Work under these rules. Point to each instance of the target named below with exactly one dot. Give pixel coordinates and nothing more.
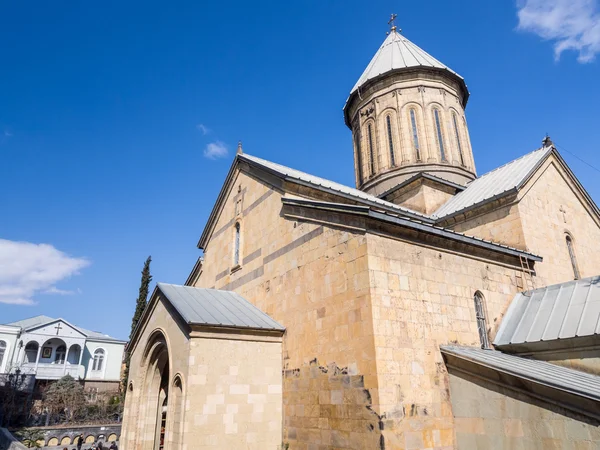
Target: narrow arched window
(415, 134)
(236, 251)
(371, 149)
(573, 258)
(438, 132)
(98, 360)
(481, 320)
(390, 140)
(2, 351)
(458, 143)
(357, 138)
(61, 353)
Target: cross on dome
(392, 23)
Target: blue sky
(109, 110)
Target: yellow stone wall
(234, 393)
(314, 280)
(134, 433)
(501, 224)
(541, 206)
(423, 298)
(488, 416)
(423, 197)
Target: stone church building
(429, 308)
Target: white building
(51, 348)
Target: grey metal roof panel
(397, 52)
(560, 311)
(504, 179)
(332, 185)
(551, 375)
(41, 319)
(216, 308)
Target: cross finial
(392, 22)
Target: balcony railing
(53, 371)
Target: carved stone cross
(58, 328)
(562, 210)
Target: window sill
(235, 268)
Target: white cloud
(27, 269)
(205, 130)
(570, 24)
(215, 150)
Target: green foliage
(30, 437)
(142, 299)
(140, 306)
(66, 396)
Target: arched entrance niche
(176, 413)
(156, 389)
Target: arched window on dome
(458, 143)
(415, 133)
(481, 320)
(571, 249)
(359, 159)
(371, 149)
(438, 133)
(388, 122)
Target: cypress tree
(140, 306)
(142, 299)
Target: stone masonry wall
(234, 396)
(549, 208)
(178, 343)
(313, 279)
(491, 417)
(422, 298)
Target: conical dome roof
(397, 52)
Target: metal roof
(213, 307)
(331, 185)
(561, 311)
(31, 322)
(496, 183)
(397, 52)
(551, 375)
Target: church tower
(407, 116)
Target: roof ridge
(507, 164)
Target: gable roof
(328, 185)
(425, 176)
(497, 183)
(550, 375)
(40, 320)
(397, 52)
(217, 308)
(559, 312)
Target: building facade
(52, 348)
(401, 298)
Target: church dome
(406, 113)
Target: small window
(458, 143)
(415, 134)
(98, 360)
(236, 250)
(390, 141)
(357, 138)
(31, 351)
(571, 249)
(61, 353)
(438, 130)
(371, 150)
(481, 320)
(2, 351)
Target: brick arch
(90, 439)
(52, 442)
(66, 440)
(113, 437)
